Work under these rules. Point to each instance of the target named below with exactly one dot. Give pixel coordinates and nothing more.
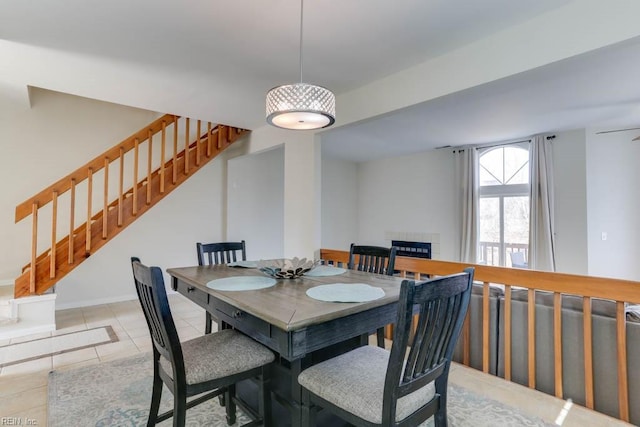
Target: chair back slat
(152, 295)
(372, 259)
(441, 304)
(220, 253)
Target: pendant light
(301, 106)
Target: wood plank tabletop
(286, 304)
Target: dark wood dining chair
(211, 363)
(373, 259)
(370, 386)
(219, 253)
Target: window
(504, 203)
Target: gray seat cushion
(354, 382)
(219, 355)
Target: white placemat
(241, 283)
(243, 264)
(325, 270)
(345, 292)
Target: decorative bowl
(286, 268)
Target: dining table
(300, 329)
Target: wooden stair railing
(150, 179)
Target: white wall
(256, 203)
(415, 197)
(613, 199)
(569, 155)
(339, 203)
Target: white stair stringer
(27, 315)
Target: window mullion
(501, 257)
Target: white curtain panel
(541, 228)
(469, 185)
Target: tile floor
(23, 386)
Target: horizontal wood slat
(590, 286)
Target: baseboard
(6, 282)
(97, 301)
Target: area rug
(58, 344)
(118, 393)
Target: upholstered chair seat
(355, 382)
(234, 353)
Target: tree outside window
(504, 203)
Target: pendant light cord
(301, 21)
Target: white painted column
(302, 196)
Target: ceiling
(221, 57)
(599, 89)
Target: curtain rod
(502, 144)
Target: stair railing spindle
(175, 153)
(136, 154)
(208, 139)
(72, 213)
(34, 247)
(149, 170)
(186, 148)
(198, 135)
(105, 199)
(54, 221)
(121, 187)
(89, 199)
(162, 156)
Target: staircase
(151, 163)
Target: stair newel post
(34, 247)
(121, 187)
(186, 148)
(208, 139)
(198, 135)
(175, 153)
(136, 154)
(149, 164)
(162, 155)
(72, 213)
(89, 209)
(54, 221)
(105, 199)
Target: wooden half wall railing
(586, 287)
(150, 163)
